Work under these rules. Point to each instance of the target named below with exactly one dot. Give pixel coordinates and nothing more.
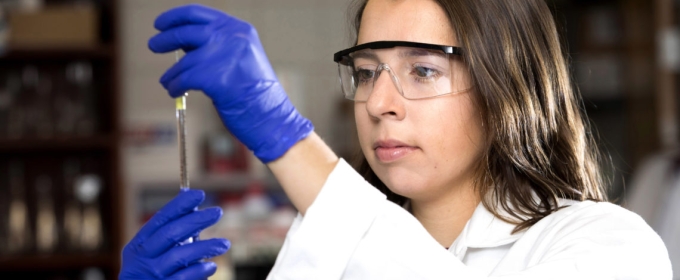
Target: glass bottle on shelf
(4, 208)
(5, 106)
(46, 220)
(19, 229)
(30, 80)
(8, 103)
(72, 222)
(37, 91)
(16, 115)
(43, 122)
(88, 189)
(79, 75)
(66, 108)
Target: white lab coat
(352, 232)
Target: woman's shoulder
(603, 237)
(572, 209)
(596, 214)
(569, 206)
(603, 225)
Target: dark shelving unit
(93, 146)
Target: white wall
(299, 37)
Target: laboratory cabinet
(60, 188)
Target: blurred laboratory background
(88, 137)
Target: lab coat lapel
(484, 230)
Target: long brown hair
(539, 148)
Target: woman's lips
(386, 154)
(392, 150)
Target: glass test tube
(180, 109)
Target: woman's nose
(385, 101)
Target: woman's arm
(303, 170)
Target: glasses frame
(341, 56)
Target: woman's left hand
(156, 251)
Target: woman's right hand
(157, 252)
(225, 59)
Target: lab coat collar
(484, 230)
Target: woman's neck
(446, 216)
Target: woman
(471, 135)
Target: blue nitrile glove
(155, 253)
(224, 59)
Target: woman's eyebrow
(366, 54)
(420, 52)
(405, 53)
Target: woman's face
(421, 149)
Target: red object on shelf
(255, 187)
(231, 198)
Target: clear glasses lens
(416, 73)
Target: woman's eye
(424, 72)
(364, 75)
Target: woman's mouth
(392, 150)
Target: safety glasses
(418, 70)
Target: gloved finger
(190, 74)
(179, 230)
(185, 37)
(185, 202)
(183, 256)
(200, 270)
(187, 14)
(188, 61)
(191, 79)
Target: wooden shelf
(58, 143)
(48, 262)
(58, 53)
